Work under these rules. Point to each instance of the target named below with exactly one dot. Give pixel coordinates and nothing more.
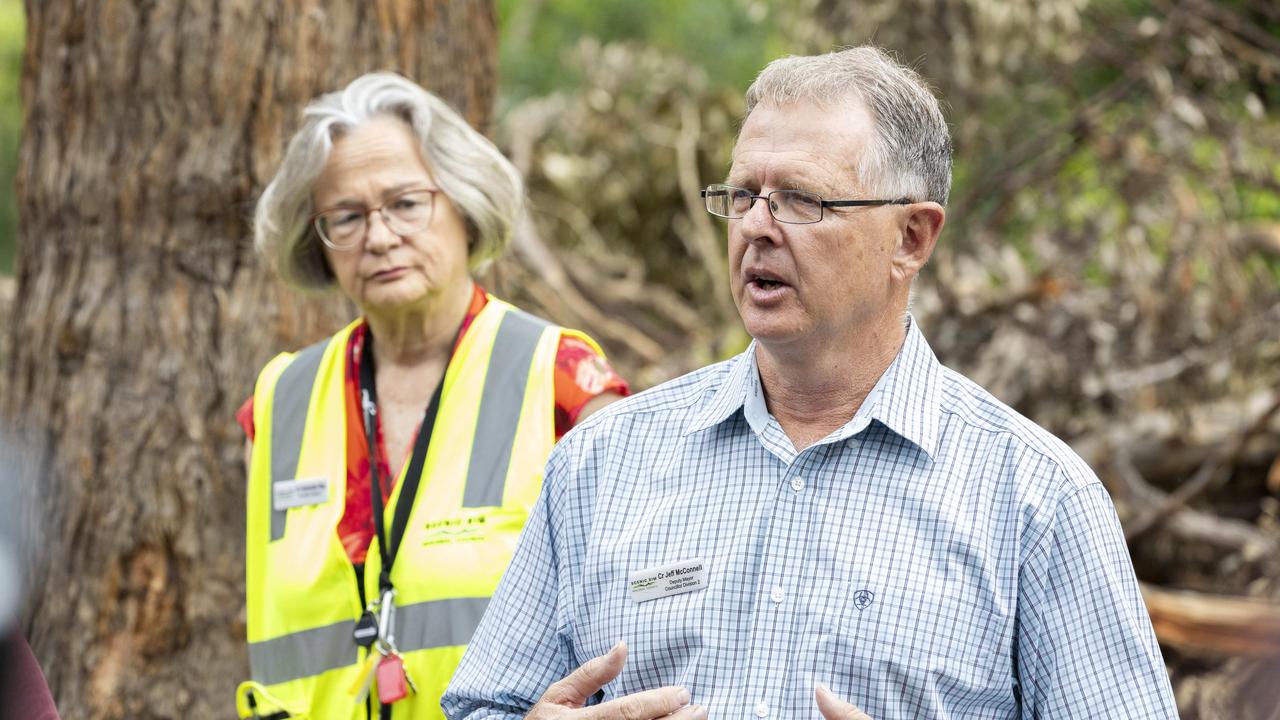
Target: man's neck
(813, 391)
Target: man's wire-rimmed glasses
(798, 207)
(342, 227)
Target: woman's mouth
(388, 274)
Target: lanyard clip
(387, 619)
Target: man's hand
(834, 708)
(565, 699)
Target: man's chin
(774, 331)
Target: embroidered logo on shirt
(862, 599)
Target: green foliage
(12, 35)
(729, 39)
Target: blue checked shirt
(939, 556)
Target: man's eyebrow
(784, 184)
(793, 184)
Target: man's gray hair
(482, 184)
(910, 154)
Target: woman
(368, 571)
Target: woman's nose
(378, 235)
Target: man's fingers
(688, 712)
(645, 705)
(833, 708)
(578, 686)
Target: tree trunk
(142, 314)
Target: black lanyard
(408, 493)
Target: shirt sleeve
(523, 643)
(1085, 646)
(581, 375)
(244, 416)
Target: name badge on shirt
(300, 492)
(659, 582)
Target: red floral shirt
(581, 374)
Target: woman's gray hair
(482, 184)
(910, 154)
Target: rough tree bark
(141, 314)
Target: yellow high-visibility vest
(483, 471)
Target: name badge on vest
(659, 582)
(299, 493)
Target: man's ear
(920, 229)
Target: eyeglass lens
(404, 214)
(791, 206)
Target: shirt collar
(730, 395)
(906, 398)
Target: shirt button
(762, 710)
(797, 483)
(776, 595)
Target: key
(413, 687)
(360, 687)
(392, 685)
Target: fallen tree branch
(1215, 623)
(1188, 523)
(1214, 470)
(1171, 445)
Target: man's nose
(758, 222)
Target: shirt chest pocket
(926, 636)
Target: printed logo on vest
(475, 526)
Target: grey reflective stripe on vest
(303, 654)
(289, 419)
(421, 626)
(438, 623)
(500, 405)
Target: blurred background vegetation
(1110, 265)
(12, 31)
(729, 40)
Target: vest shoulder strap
(290, 380)
(506, 382)
(289, 404)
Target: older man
(833, 508)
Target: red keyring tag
(391, 680)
